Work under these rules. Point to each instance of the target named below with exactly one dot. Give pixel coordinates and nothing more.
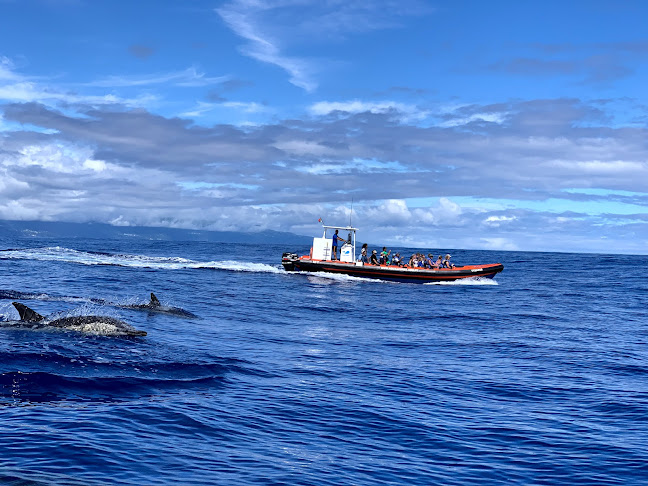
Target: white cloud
(412, 185)
(270, 27)
(477, 117)
(16, 88)
(26, 92)
(201, 109)
(501, 244)
(246, 107)
(96, 165)
(498, 220)
(190, 77)
(9, 185)
(7, 70)
(395, 212)
(405, 112)
(355, 165)
(305, 147)
(240, 17)
(603, 167)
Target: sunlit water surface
(538, 377)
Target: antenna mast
(351, 213)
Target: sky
(500, 125)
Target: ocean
(539, 377)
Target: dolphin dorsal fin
(27, 314)
(154, 300)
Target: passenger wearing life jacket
(363, 254)
(446, 262)
(384, 256)
(429, 263)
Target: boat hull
(391, 272)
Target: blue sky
(467, 124)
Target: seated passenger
(429, 262)
(374, 258)
(384, 256)
(363, 254)
(396, 259)
(439, 262)
(446, 262)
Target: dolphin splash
(102, 325)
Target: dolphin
(88, 324)
(155, 306)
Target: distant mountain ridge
(44, 229)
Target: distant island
(44, 229)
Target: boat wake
(467, 281)
(326, 277)
(68, 255)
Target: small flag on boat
(319, 220)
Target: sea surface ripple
(538, 377)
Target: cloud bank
(115, 164)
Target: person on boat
(396, 259)
(363, 254)
(374, 258)
(446, 262)
(439, 262)
(334, 246)
(384, 256)
(429, 261)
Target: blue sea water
(538, 377)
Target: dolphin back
(27, 314)
(99, 325)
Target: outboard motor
(288, 261)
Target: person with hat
(429, 261)
(363, 254)
(374, 258)
(446, 262)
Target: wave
(467, 281)
(68, 255)
(39, 387)
(324, 277)
(92, 380)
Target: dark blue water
(540, 377)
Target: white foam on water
(68, 255)
(237, 266)
(322, 277)
(341, 277)
(467, 281)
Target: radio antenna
(351, 213)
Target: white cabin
(322, 247)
